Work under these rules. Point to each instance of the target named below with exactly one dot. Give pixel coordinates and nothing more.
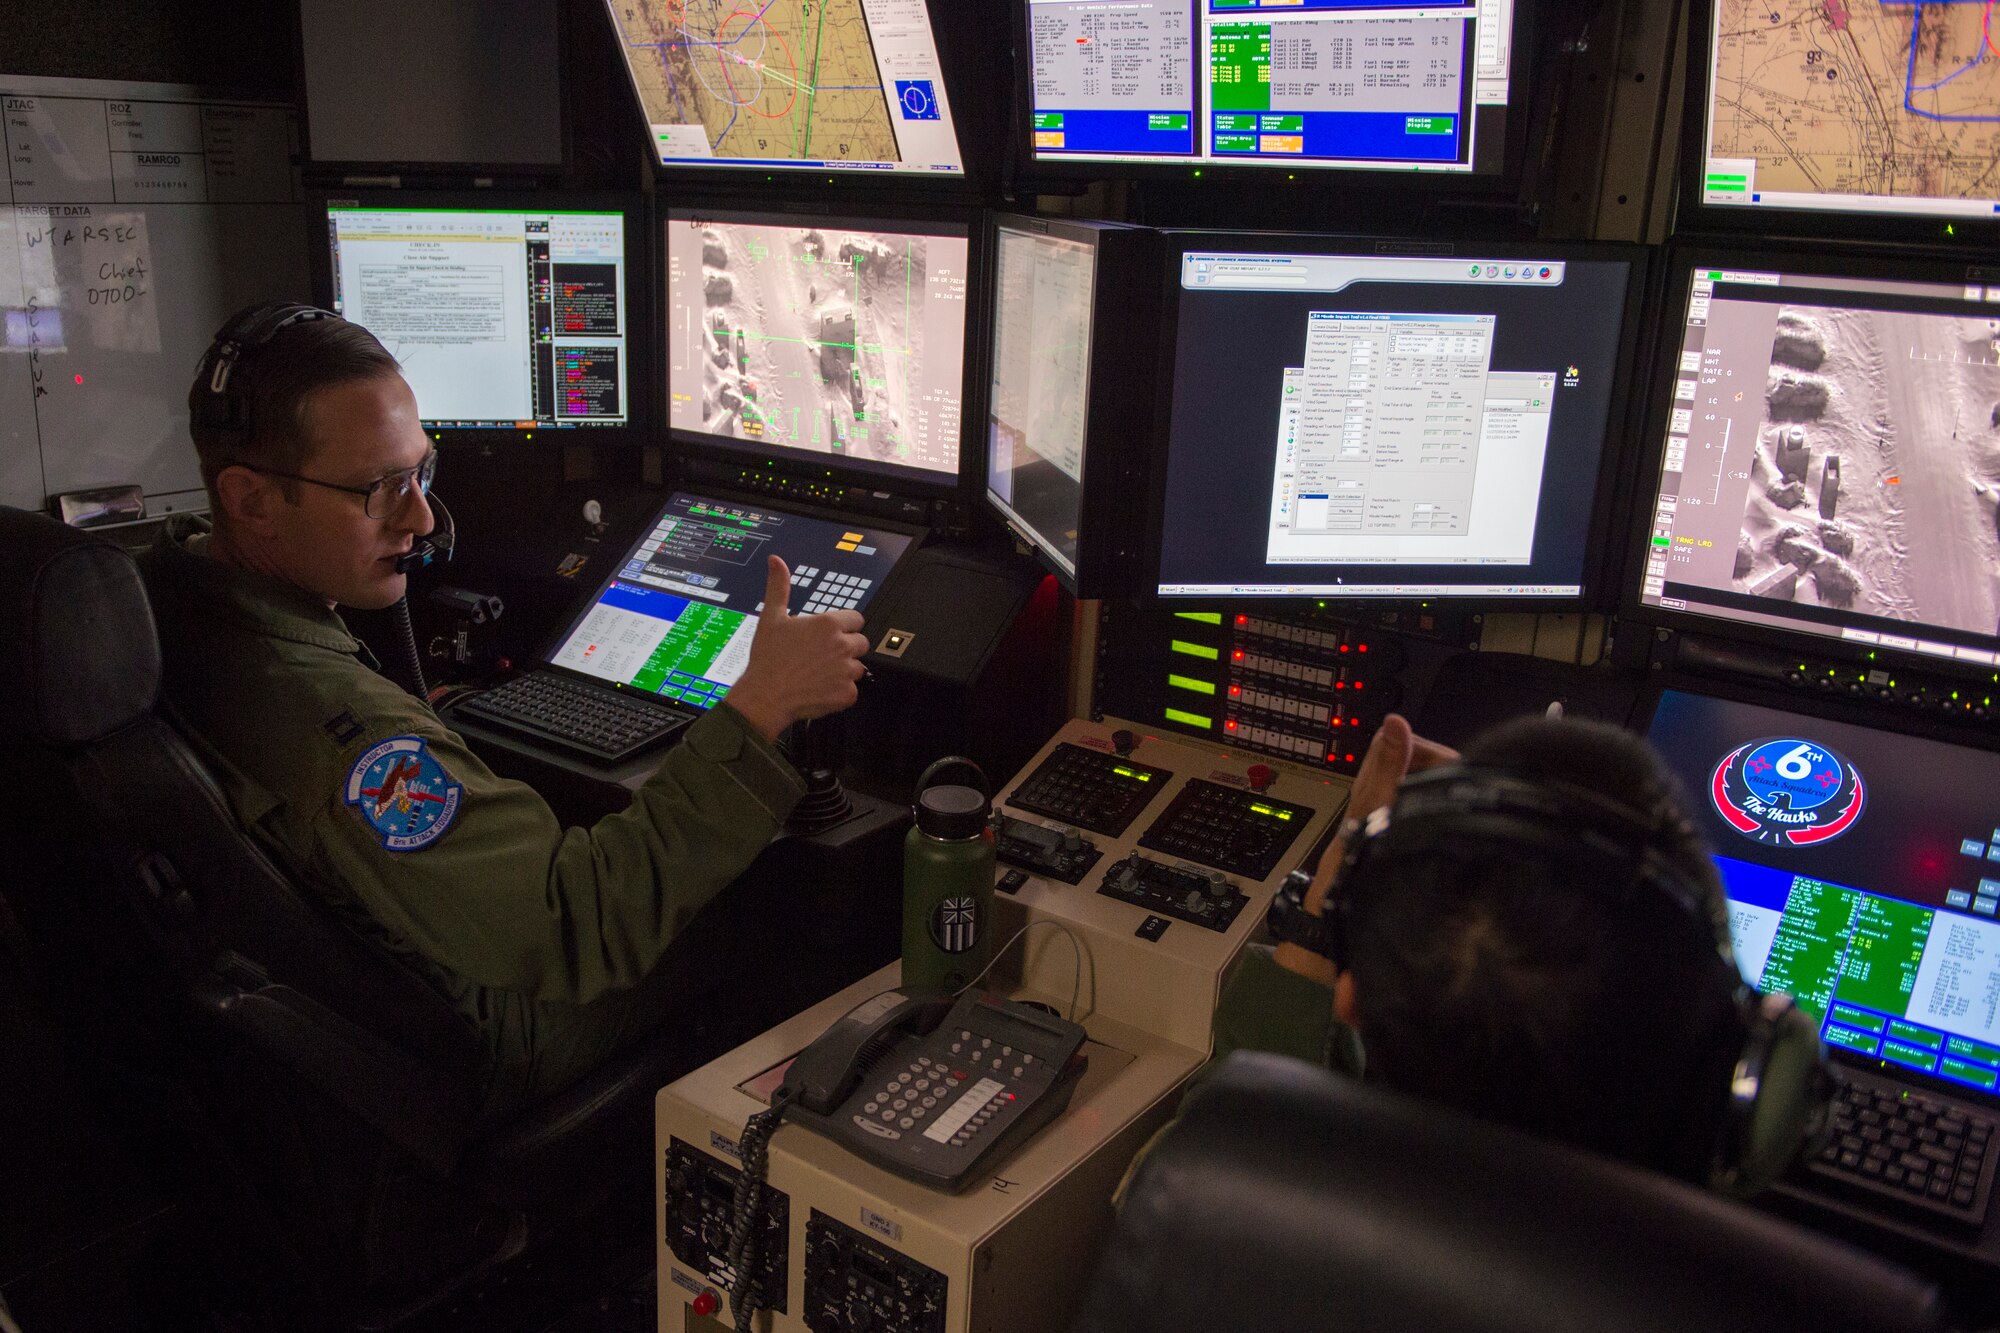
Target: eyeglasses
(380, 497)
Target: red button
(706, 1304)
(958, 1075)
(1261, 776)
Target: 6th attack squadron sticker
(404, 793)
(1787, 792)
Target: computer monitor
(511, 317)
(820, 339)
(1829, 456)
(1386, 85)
(676, 616)
(1346, 419)
(1070, 413)
(1862, 868)
(1876, 111)
(821, 85)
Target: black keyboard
(1920, 1150)
(1093, 790)
(572, 714)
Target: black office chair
(1288, 1197)
(307, 1062)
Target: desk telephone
(934, 1090)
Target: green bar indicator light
(1190, 683)
(1200, 650)
(1200, 617)
(1190, 719)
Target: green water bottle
(947, 882)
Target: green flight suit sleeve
(1268, 1007)
(507, 898)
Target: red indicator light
(1236, 656)
(1364, 647)
(1350, 759)
(1235, 691)
(1359, 683)
(1230, 725)
(1340, 684)
(79, 379)
(1330, 758)
(1242, 620)
(1343, 647)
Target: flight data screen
(841, 342)
(1862, 869)
(1041, 386)
(1347, 426)
(677, 617)
(1858, 107)
(1832, 461)
(500, 318)
(1284, 83)
(791, 84)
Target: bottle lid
(951, 813)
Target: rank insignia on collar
(404, 793)
(343, 727)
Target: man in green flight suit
(544, 937)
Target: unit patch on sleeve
(404, 793)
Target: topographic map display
(788, 80)
(1856, 97)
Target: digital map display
(1855, 104)
(797, 83)
(827, 339)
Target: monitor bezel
(869, 183)
(553, 644)
(1676, 269)
(893, 478)
(641, 313)
(1833, 708)
(1064, 174)
(1597, 592)
(1118, 427)
(1758, 223)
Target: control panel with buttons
(1184, 892)
(1058, 853)
(1243, 832)
(1089, 788)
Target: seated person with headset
(318, 473)
(1534, 933)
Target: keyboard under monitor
(574, 716)
(1903, 1145)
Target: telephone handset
(826, 1071)
(934, 1090)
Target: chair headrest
(1313, 1201)
(79, 654)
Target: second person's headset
(216, 404)
(1779, 1086)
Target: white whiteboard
(134, 219)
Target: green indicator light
(1190, 683)
(1122, 772)
(1263, 810)
(1663, 541)
(1200, 650)
(1190, 719)
(1202, 617)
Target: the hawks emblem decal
(1787, 791)
(404, 793)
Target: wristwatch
(1290, 923)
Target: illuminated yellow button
(846, 546)
(1048, 138)
(1281, 143)
(853, 536)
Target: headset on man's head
(216, 403)
(1779, 1087)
